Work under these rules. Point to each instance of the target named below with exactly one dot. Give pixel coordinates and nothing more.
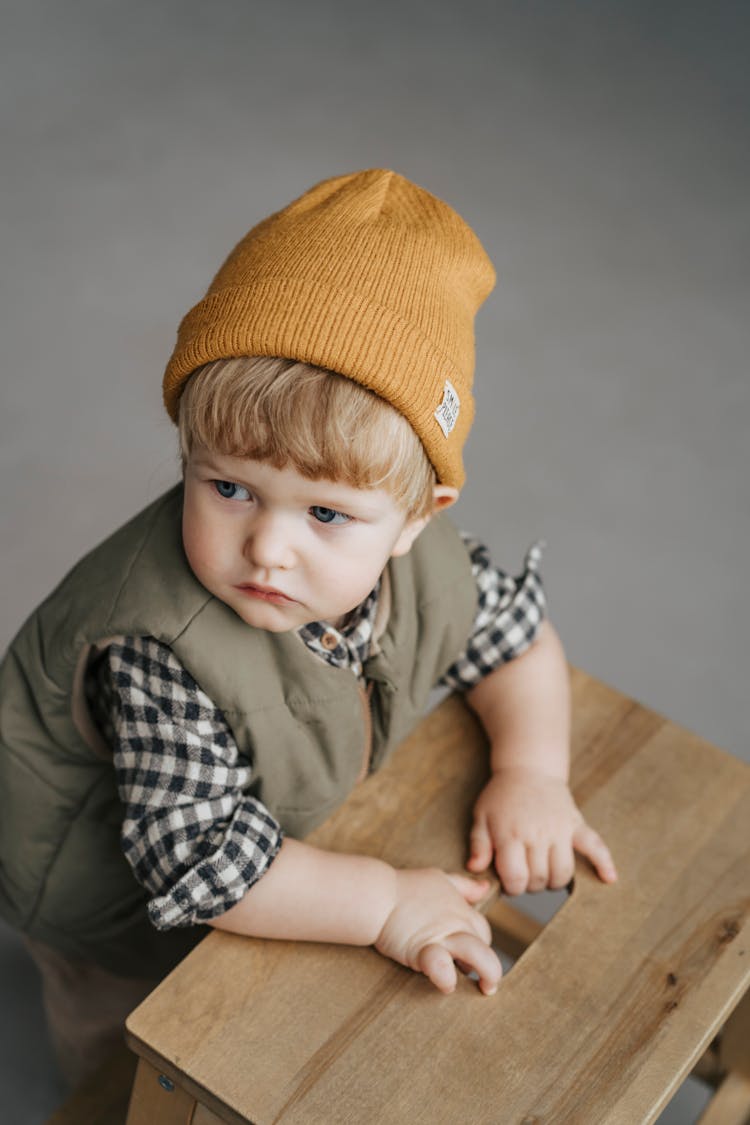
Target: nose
(268, 544)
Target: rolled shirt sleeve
(509, 615)
(194, 838)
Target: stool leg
(730, 1105)
(151, 1101)
(735, 1039)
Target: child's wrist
(381, 893)
(553, 767)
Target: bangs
(326, 426)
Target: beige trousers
(86, 1007)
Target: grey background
(600, 151)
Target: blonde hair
(325, 425)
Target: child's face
(283, 550)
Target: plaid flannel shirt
(195, 839)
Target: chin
(263, 617)
(264, 621)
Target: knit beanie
(368, 275)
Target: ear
(442, 497)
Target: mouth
(264, 593)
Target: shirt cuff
(243, 853)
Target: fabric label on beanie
(447, 412)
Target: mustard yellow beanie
(365, 274)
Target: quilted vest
(306, 726)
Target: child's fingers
(474, 954)
(588, 842)
(437, 959)
(437, 965)
(470, 889)
(537, 859)
(480, 846)
(561, 866)
(512, 867)
(473, 891)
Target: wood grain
(600, 1019)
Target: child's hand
(431, 925)
(531, 825)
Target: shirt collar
(350, 645)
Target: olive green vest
(63, 877)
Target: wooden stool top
(600, 1019)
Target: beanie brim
(343, 332)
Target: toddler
(209, 683)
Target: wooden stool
(609, 1008)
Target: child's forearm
(421, 918)
(524, 707)
(313, 895)
(525, 819)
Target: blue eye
(329, 515)
(231, 491)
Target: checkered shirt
(194, 837)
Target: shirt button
(329, 641)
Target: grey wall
(600, 150)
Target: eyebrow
(205, 462)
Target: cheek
(200, 544)
(192, 547)
(357, 571)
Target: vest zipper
(365, 695)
